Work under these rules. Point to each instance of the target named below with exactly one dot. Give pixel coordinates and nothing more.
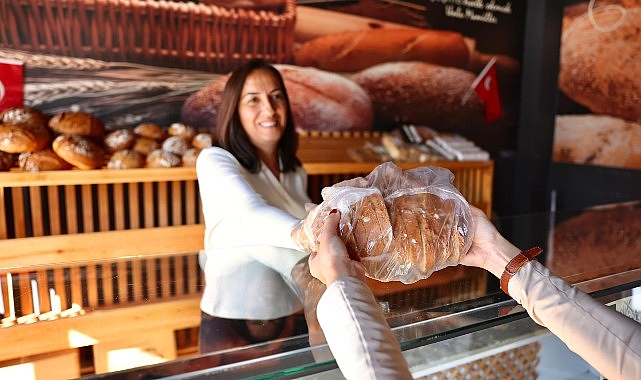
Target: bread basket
(186, 35)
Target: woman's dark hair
(232, 136)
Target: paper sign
(11, 83)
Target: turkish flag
(487, 88)
(11, 83)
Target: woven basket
(161, 33)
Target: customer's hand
(489, 250)
(332, 261)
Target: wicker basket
(161, 33)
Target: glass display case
(477, 336)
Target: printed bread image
(320, 101)
(599, 65)
(597, 140)
(598, 242)
(403, 226)
(423, 94)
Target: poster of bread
(348, 65)
(599, 118)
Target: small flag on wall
(11, 83)
(486, 87)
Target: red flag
(487, 88)
(11, 83)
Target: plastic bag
(402, 225)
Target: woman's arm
(608, 340)
(353, 323)
(232, 206)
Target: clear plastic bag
(402, 225)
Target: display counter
(476, 335)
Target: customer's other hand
(332, 261)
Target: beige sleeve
(603, 337)
(358, 334)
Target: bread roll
(21, 138)
(151, 131)
(144, 145)
(126, 159)
(120, 139)
(599, 62)
(190, 157)
(24, 115)
(183, 130)
(319, 100)
(422, 93)
(160, 158)
(77, 123)
(358, 50)
(79, 151)
(176, 145)
(597, 140)
(202, 140)
(42, 160)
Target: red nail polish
(334, 211)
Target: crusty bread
(597, 140)
(599, 64)
(126, 159)
(81, 152)
(367, 230)
(423, 94)
(151, 131)
(42, 160)
(21, 138)
(77, 123)
(356, 50)
(120, 139)
(320, 101)
(161, 158)
(24, 115)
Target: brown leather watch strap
(515, 264)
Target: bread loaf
(356, 50)
(42, 160)
(21, 138)
(126, 159)
(24, 115)
(120, 139)
(319, 100)
(79, 151)
(402, 226)
(597, 140)
(422, 93)
(77, 123)
(599, 62)
(7, 161)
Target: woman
(253, 191)
(365, 348)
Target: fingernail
(334, 211)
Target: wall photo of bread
(600, 77)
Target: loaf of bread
(597, 140)
(356, 50)
(126, 159)
(81, 152)
(119, 139)
(77, 123)
(319, 100)
(599, 62)
(42, 160)
(423, 94)
(21, 138)
(402, 226)
(7, 160)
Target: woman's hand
(332, 261)
(489, 250)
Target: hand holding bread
(402, 225)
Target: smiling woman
(253, 190)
